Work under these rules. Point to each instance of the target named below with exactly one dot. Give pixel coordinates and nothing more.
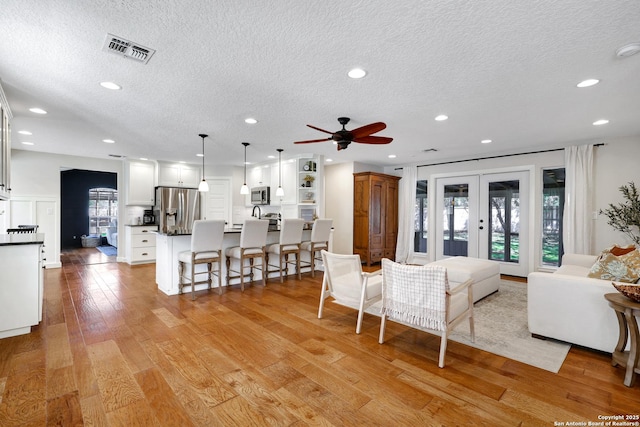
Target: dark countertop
(21, 239)
(226, 231)
(141, 225)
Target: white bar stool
(289, 244)
(320, 233)
(206, 248)
(253, 239)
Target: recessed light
(271, 157)
(600, 122)
(143, 158)
(200, 155)
(441, 118)
(110, 85)
(392, 156)
(24, 132)
(37, 110)
(588, 82)
(250, 120)
(628, 50)
(109, 141)
(328, 160)
(485, 141)
(357, 73)
(27, 143)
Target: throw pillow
(617, 250)
(611, 267)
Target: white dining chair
(288, 245)
(206, 248)
(253, 240)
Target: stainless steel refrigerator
(176, 208)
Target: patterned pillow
(617, 250)
(611, 267)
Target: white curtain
(406, 214)
(578, 204)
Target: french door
(484, 216)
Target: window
(552, 209)
(103, 209)
(421, 219)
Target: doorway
(485, 216)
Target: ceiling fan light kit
(344, 137)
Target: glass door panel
(457, 204)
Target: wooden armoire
(375, 216)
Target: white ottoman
(485, 274)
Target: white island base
(168, 247)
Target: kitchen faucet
(253, 213)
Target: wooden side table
(626, 312)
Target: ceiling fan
(345, 137)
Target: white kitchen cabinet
(179, 175)
(141, 241)
(289, 183)
(5, 147)
(21, 290)
(140, 181)
(259, 176)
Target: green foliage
(625, 217)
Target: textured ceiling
(504, 70)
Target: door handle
(481, 228)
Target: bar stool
(289, 244)
(206, 248)
(253, 239)
(319, 240)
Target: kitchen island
(21, 286)
(169, 245)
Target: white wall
(35, 192)
(338, 181)
(615, 164)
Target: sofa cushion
(611, 267)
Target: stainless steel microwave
(260, 196)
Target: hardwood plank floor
(113, 350)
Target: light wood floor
(114, 351)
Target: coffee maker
(149, 217)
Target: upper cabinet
(288, 182)
(140, 178)
(5, 147)
(178, 175)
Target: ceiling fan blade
(321, 130)
(373, 140)
(368, 130)
(312, 140)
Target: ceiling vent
(117, 156)
(428, 150)
(127, 48)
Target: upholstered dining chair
(345, 281)
(419, 296)
(253, 240)
(320, 232)
(289, 244)
(206, 248)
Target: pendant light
(280, 191)
(204, 186)
(244, 189)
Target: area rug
(108, 250)
(501, 328)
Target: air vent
(117, 156)
(429, 150)
(127, 48)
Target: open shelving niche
(310, 192)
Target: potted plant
(625, 217)
(308, 180)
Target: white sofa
(568, 305)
